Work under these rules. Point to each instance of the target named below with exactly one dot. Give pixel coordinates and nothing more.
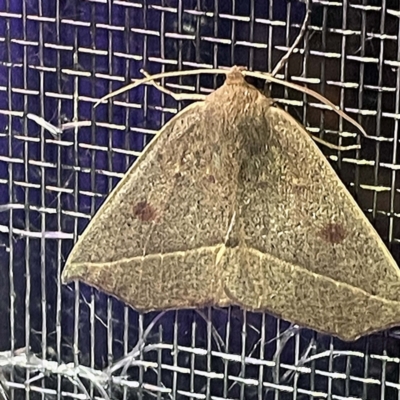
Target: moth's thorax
(237, 95)
(239, 111)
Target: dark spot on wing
(232, 242)
(178, 175)
(210, 178)
(144, 211)
(333, 233)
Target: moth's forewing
(153, 243)
(317, 260)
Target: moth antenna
(280, 64)
(138, 82)
(175, 96)
(334, 146)
(310, 92)
(299, 37)
(259, 75)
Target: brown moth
(232, 203)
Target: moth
(232, 203)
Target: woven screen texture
(57, 58)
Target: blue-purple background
(55, 61)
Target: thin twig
(300, 36)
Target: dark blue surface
(33, 162)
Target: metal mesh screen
(56, 60)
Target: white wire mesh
(56, 60)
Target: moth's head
(235, 76)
